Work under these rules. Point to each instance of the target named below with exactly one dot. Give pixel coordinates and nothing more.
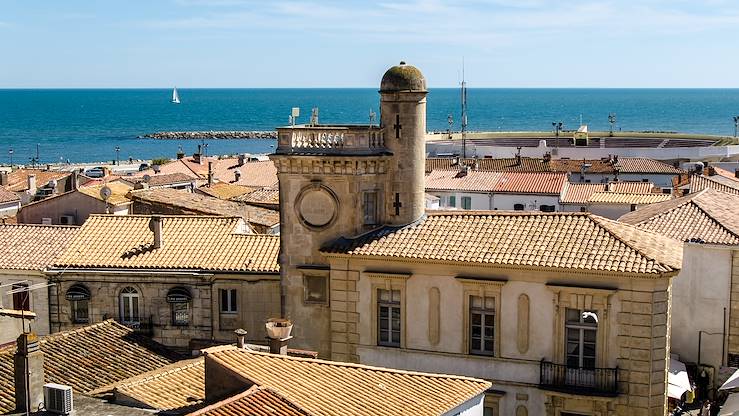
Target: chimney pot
(241, 160)
(4, 179)
(278, 334)
(240, 335)
(155, 225)
(237, 175)
(711, 171)
(32, 184)
(210, 174)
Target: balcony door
(130, 306)
(581, 328)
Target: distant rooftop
(33, 247)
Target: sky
(348, 43)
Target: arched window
(129, 306)
(79, 299)
(180, 298)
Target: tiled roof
(626, 198)
(531, 183)
(717, 182)
(645, 165)
(524, 164)
(266, 197)
(256, 401)
(185, 166)
(161, 179)
(257, 174)
(579, 192)
(223, 190)
(202, 204)
(175, 386)
(475, 181)
(33, 247)
(18, 179)
(189, 242)
(708, 216)
(624, 165)
(88, 358)
(8, 196)
(118, 196)
(336, 388)
(560, 240)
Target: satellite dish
(156, 168)
(147, 178)
(105, 193)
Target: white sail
(175, 96)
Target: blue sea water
(87, 125)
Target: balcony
(585, 381)
(143, 326)
(328, 139)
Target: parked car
(96, 172)
(143, 167)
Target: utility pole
(611, 121)
(464, 114)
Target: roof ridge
(175, 367)
(711, 217)
(687, 199)
(83, 329)
(177, 216)
(57, 226)
(600, 221)
(214, 354)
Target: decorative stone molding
(434, 315)
(316, 206)
(522, 334)
(332, 165)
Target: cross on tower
(397, 204)
(397, 126)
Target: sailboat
(175, 96)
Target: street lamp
(736, 124)
(117, 153)
(611, 121)
(557, 125)
(10, 153)
(450, 120)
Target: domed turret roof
(403, 78)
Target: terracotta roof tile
(717, 182)
(525, 164)
(708, 216)
(8, 196)
(185, 166)
(118, 188)
(579, 192)
(531, 182)
(176, 386)
(160, 179)
(88, 358)
(336, 388)
(256, 401)
(623, 164)
(18, 179)
(33, 247)
(645, 165)
(202, 204)
(263, 197)
(257, 174)
(560, 240)
(475, 181)
(190, 242)
(626, 198)
(223, 190)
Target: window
(453, 201)
(388, 317)
(228, 301)
(179, 298)
(466, 202)
(370, 208)
(22, 298)
(518, 207)
(482, 325)
(582, 209)
(79, 299)
(581, 327)
(130, 306)
(547, 208)
(633, 207)
(316, 289)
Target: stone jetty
(210, 135)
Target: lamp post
(117, 153)
(611, 121)
(557, 125)
(450, 120)
(10, 153)
(736, 125)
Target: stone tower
(341, 181)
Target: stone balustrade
(321, 139)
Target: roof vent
(58, 399)
(155, 225)
(278, 333)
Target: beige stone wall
(258, 299)
(39, 298)
(633, 328)
(734, 310)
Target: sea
(88, 125)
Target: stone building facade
(566, 313)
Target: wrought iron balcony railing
(586, 381)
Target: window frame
(129, 297)
(472, 286)
(23, 298)
(394, 281)
(327, 286)
(391, 305)
(519, 207)
(79, 297)
(484, 313)
(175, 308)
(468, 205)
(375, 220)
(452, 201)
(231, 306)
(581, 326)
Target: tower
(341, 181)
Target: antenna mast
(464, 114)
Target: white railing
(318, 139)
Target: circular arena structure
(586, 145)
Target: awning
(731, 406)
(78, 292)
(179, 294)
(732, 383)
(677, 380)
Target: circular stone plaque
(317, 207)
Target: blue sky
(312, 43)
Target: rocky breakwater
(210, 135)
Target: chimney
(28, 367)
(32, 184)
(711, 171)
(237, 175)
(75, 180)
(141, 185)
(155, 225)
(278, 334)
(210, 174)
(198, 156)
(240, 335)
(736, 173)
(241, 160)
(4, 179)
(609, 187)
(547, 157)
